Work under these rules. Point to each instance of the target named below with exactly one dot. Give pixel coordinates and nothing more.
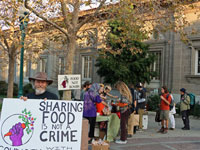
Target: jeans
(92, 121)
(185, 118)
(124, 124)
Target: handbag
(157, 117)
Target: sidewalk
(173, 140)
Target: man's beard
(39, 91)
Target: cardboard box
(100, 147)
(136, 120)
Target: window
(61, 65)
(197, 62)
(87, 67)
(43, 65)
(156, 65)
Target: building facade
(177, 63)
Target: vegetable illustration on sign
(16, 132)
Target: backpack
(192, 99)
(171, 105)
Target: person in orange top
(164, 109)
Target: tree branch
(64, 13)
(45, 19)
(89, 18)
(75, 14)
(3, 46)
(6, 43)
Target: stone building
(178, 63)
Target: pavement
(149, 139)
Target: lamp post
(23, 18)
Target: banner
(69, 82)
(40, 125)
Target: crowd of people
(132, 100)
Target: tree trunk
(10, 76)
(69, 64)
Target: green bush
(15, 90)
(28, 88)
(4, 87)
(178, 108)
(152, 103)
(196, 111)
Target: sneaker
(90, 141)
(129, 136)
(185, 128)
(171, 128)
(161, 130)
(165, 131)
(120, 142)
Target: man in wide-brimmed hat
(40, 82)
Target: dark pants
(92, 121)
(124, 124)
(185, 118)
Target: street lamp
(23, 18)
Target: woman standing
(91, 97)
(125, 112)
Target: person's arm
(104, 103)
(103, 97)
(186, 100)
(110, 95)
(165, 100)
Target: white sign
(41, 125)
(68, 82)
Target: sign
(40, 125)
(69, 82)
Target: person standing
(91, 97)
(141, 104)
(164, 109)
(172, 112)
(126, 98)
(185, 108)
(86, 87)
(131, 127)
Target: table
(113, 125)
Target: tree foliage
(10, 40)
(129, 60)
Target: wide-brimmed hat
(42, 76)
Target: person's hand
(24, 98)
(16, 134)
